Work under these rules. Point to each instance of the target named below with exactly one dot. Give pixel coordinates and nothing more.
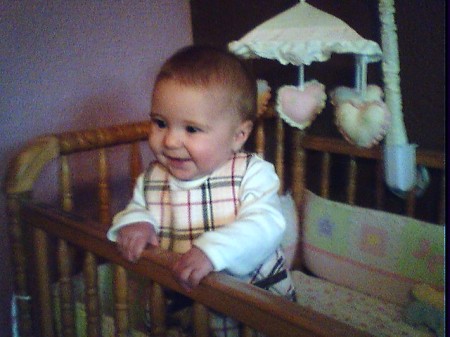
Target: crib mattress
(380, 318)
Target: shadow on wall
(112, 105)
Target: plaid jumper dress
(185, 214)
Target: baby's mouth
(176, 161)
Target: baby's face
(193, 130)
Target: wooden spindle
(103, 189)
(92, 300)
(279, 153)
(411, 203)
(298, 188)
(43, 282)
(22, 294)
(64, 255)
(65, 287)
(351, 181)
(298, 169)
(200, 319)
(120, 301)
(135, 163)
(157, 310)
(66, 185)
(260, 145)
(325, 176)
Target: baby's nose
(172, 139)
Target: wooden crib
(53, 243)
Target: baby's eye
(159, 123)
(192, 129)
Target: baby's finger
(182, 274)
(194, 278)
(154, 241)
(122, 244)
(137, 247)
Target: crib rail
(260, 310)
(57, 236)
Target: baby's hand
(191, 268)
(132, 239)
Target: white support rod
(361, 74)
(357, 74)
(301, 76)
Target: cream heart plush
(299, 107)
(344, 94)
(363, 120)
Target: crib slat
(91, 295)
(298, 168)
(66, 185)
(157, 310)
(298, 186)
(279, 153)
(65, 289)
(260, 145)
(120, 301)
(200, 319)
(64, 255)
(325, 175)
(22, 296)
(135, 163)
(411, 203)
(260, 138)
(103, 189)
(351, 181)
(43, 283)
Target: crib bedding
(367, 313)
(378, 253)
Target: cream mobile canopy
(302, 35)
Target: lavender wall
(69, 65)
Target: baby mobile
(302, 35)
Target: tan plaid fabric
(185, 214)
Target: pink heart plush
(299, 107)
(363, 119)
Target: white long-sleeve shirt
(239, 246)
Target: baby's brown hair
(210, 67)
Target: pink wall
(69, 65)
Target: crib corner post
(21, 294)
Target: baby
(204, 197)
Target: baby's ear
(242, 133)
